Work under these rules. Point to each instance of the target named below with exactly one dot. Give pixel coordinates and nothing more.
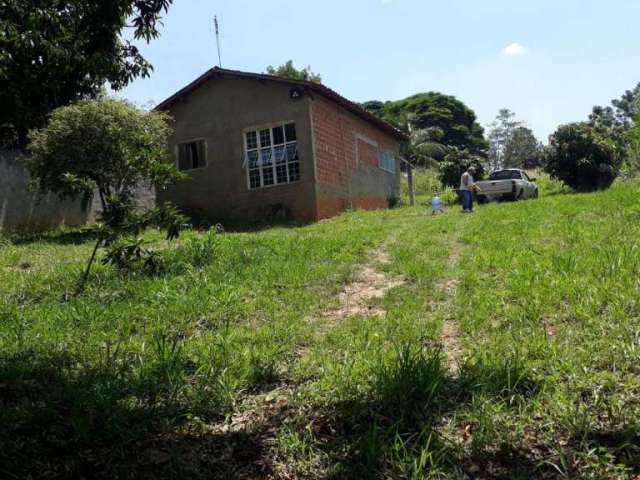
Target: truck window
(505, 175)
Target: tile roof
(307, 85)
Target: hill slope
(385, 344)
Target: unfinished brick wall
(346, 161)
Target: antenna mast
(215, 23)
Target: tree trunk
(412, 193)
(83, 279)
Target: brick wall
(346, 161)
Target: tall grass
(545, 301)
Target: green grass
(132, 378)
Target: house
(257, 145)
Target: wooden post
(412, 193)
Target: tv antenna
(217, 28)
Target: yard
(385, 344)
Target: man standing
(467, 186)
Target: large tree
(288, 70)
(456, 122)
(500, 135)
(54, 52)
(523, 150)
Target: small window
(192, 155)
(271, 156)
(387, 161)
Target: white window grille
(271, 156)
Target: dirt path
(260, 416)
(367, 284)
(449, 337)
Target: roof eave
(316, 87)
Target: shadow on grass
(124, 414)
(396, 430)
(73, 237)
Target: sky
(549, 61)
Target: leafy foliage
(112, 148)
(456, 122)
(288, 70)
(456, 163)
(633, 152)
(523, 150)
(55, 52)
(104, 145)
(424, 147)
(126, 256)
(584, 157)
(622, 112)
(500, 135)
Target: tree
(500, 135)
(110, 147)
(583, 157)
(456, 163)
(621, 114)
(433, 110)
(627, 107)
(54, 52)
(523, 150)
(424, 147)
(633, 153)
(289, 71)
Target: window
(192, 155)
(506, 175)
(271, 156)
(387, 161)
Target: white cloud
(514, 50)
(387, 2)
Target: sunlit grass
(546, 303)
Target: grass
(133, 378)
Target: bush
(456, 163)
(633, 154)
(584, 157)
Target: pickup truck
(508, 184)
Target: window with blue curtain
(387, 161)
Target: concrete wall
(220, 111)
(23, 211)
(346, 155)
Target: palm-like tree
(423, 147)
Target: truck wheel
(535, 193)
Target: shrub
(456, 163)
(108, 148)
(583, 156)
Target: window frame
(381, 165)
(274, 164)
(368, 141)
(185, 142)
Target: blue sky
(549, 61)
